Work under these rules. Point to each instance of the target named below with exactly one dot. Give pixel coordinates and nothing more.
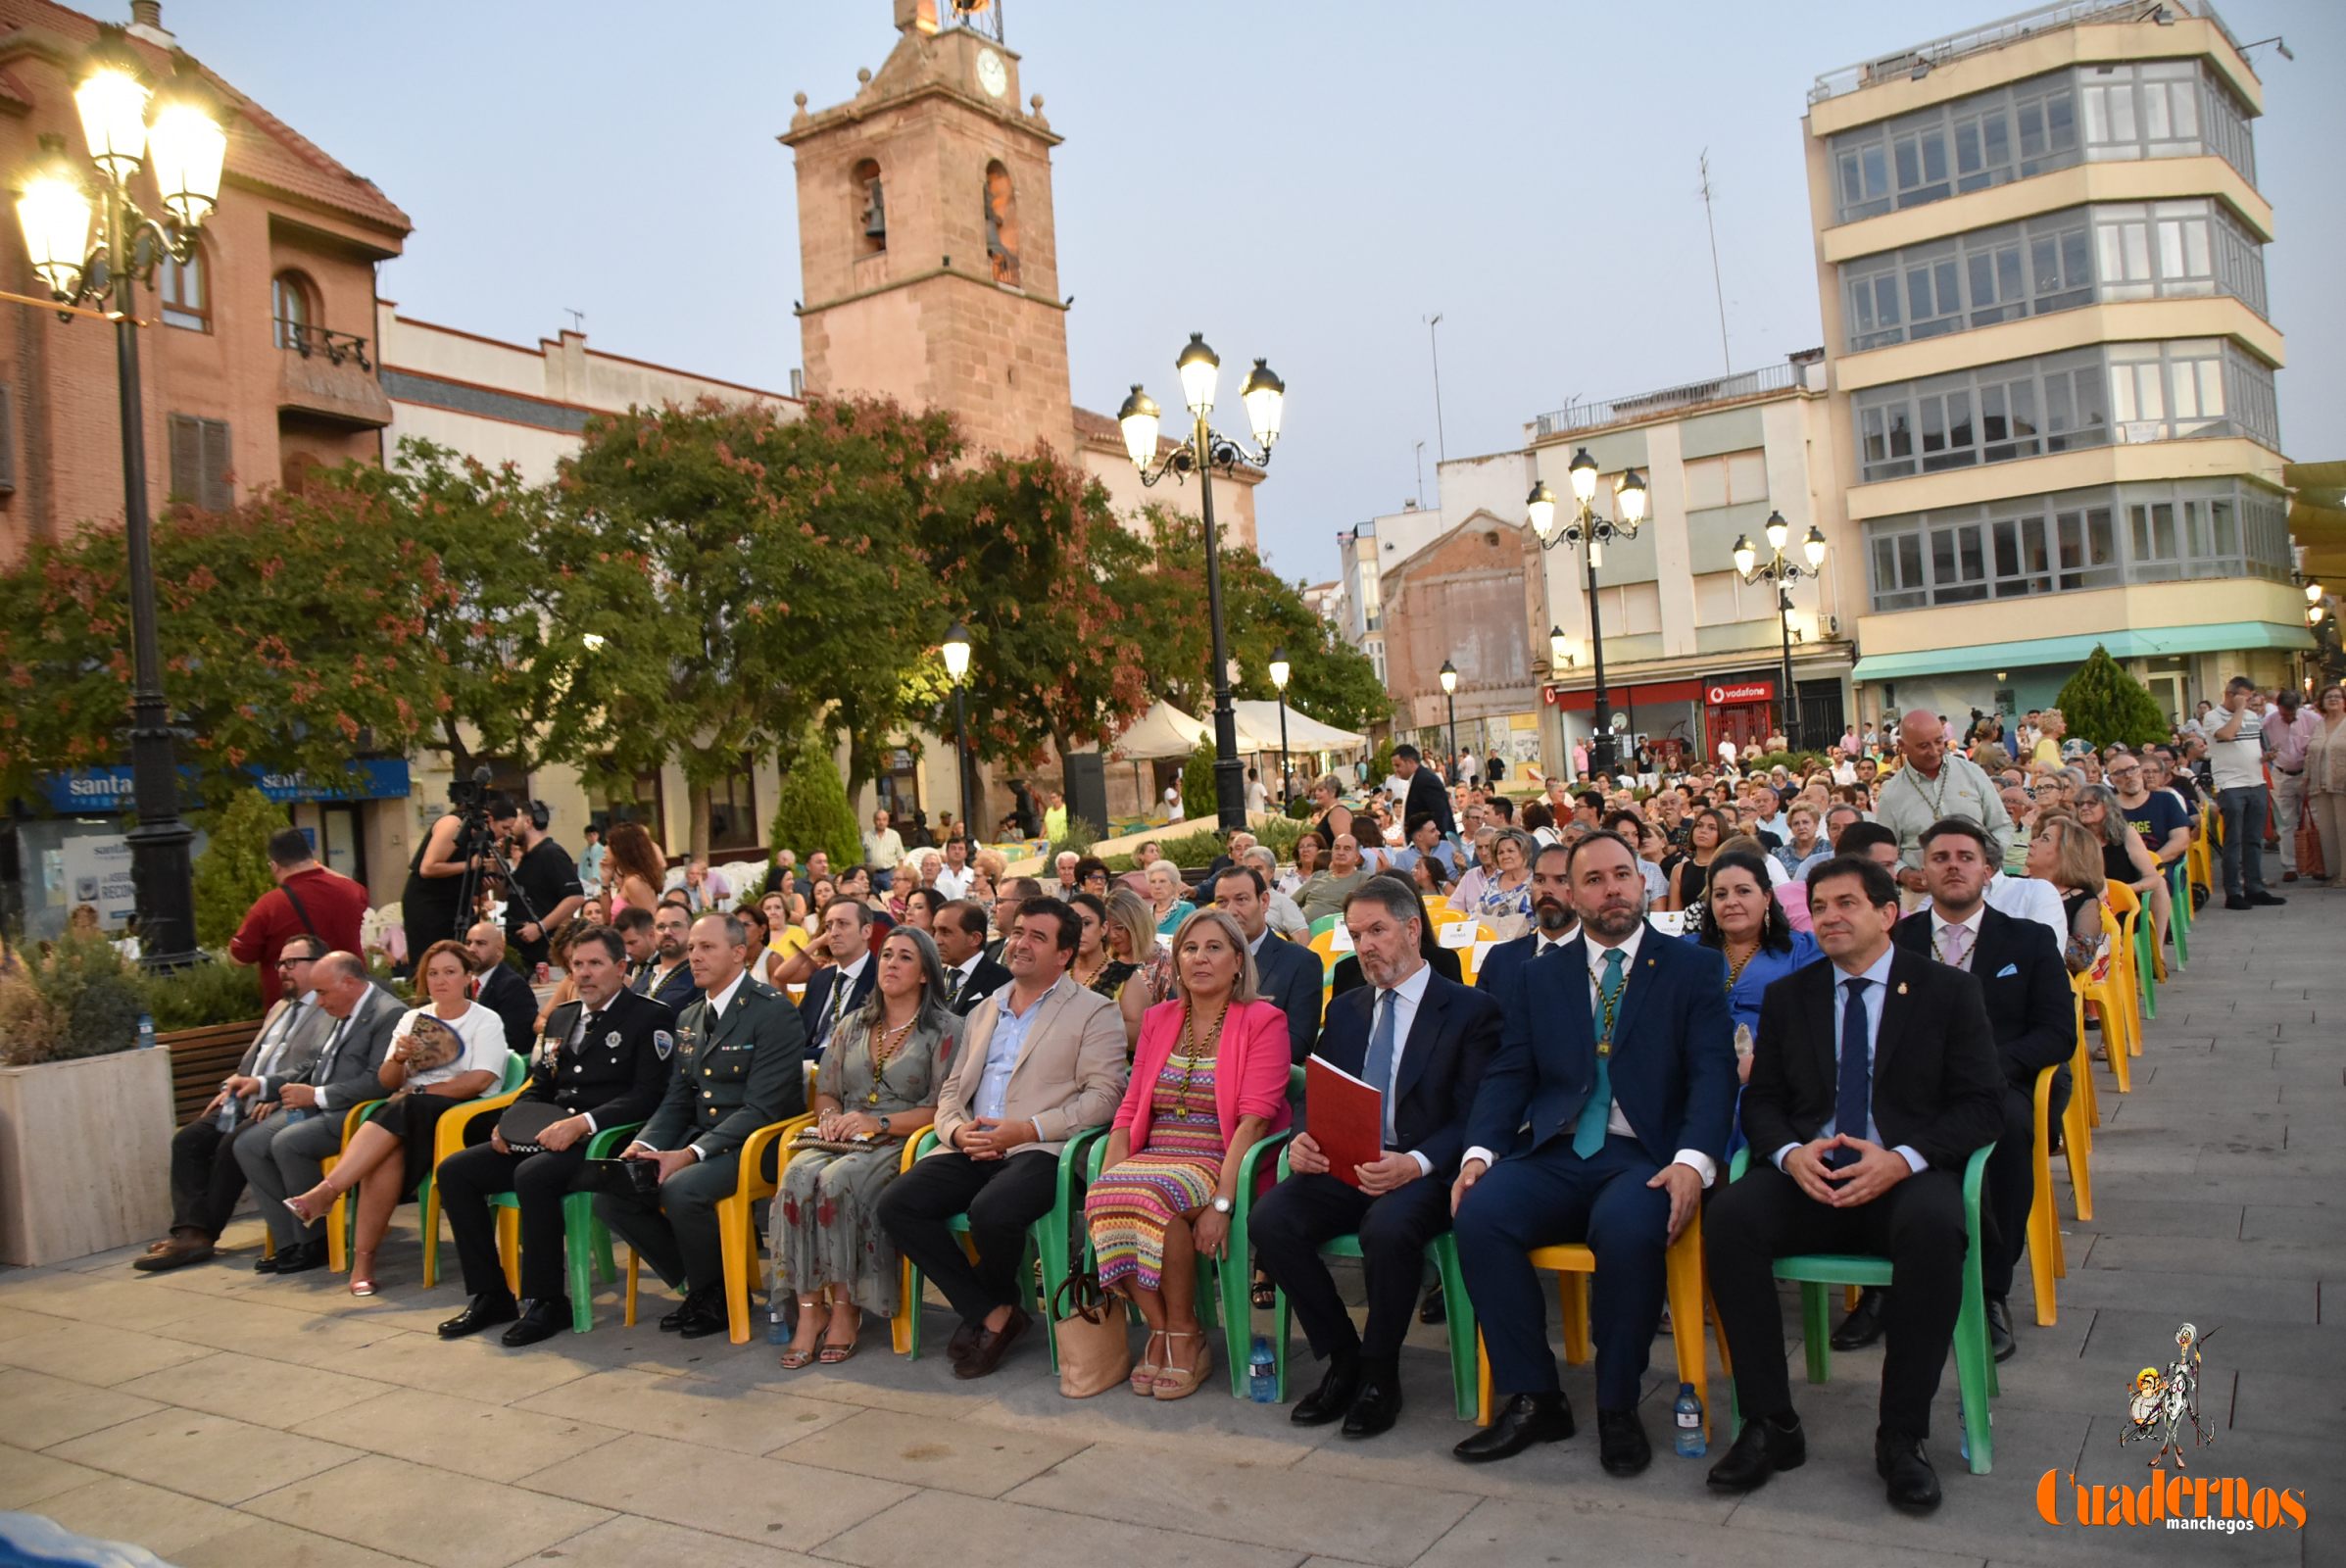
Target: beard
(1552, 915)
(1616, 920)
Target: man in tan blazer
(1044, 1059)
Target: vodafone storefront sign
(1750, 691)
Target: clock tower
(926, 244)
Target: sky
(1298, 180)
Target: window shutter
(187, 458)
(218, 493)
(8, 440)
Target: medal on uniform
(611, 1040)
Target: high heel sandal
(304, 1215)
(1172, 1382)
(362, 1273)
(1144, 1371)
(833, 1352)
(795, 1360)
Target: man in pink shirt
(2286, 733)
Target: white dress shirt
(1403, 1000)
(965, 968)
(1873, 1001)
(2028, 898)
(1970, 923)
(847, 976)
(954, 884)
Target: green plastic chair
(2178, 919)
(342, 1221)
(1459, 1310)
(1975, 1366)
(1046, 1241)
(587, 1254)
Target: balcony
(1918, 61)
(1595, 414)
(328, 376)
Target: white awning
(1163, 731)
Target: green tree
(1198, 797)
(2106, 705)
(811, 805)
(233, 869)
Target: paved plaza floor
(218, 1417)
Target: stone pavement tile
(430, 1515)
(2190, 1188)
(120, 1300)
(270, 1393)
(99, 1356)
(1416, 1454)
(25, 1478)
(769, 1501)
(1506, 1531)
(255, 1328)
(498, 1441)
(688, 1409)
(2285, 1404)
(1232, 1430)
(2146, 1337)
(14, 1323)
(2116, 1215)
(204, 1455)
(2302, 1168)
(2281, 1222)
(628, 1541)
(38, 1410)
(2277, 1261)
(877, 1380)
(991, 1529)
(265, 1542)
(2193, 1296)
(165, 1523)
(1264, 1508)
(477, 1369)
(959, 1455)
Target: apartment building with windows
(2041, 262)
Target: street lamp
(1205, 452)
(1449, 697)
(1782, 573)
(179, 134)
(1279, 671)
(1560, 655)
(956, 649)
(1586, 527)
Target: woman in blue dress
(1742, 920)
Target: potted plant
(85, 1118)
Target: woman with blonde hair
(1131, 936)
(2068, 854)
(1097, 967)
(633, 868)
(1208, 1080)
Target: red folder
(1346, 1116)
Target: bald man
(1325, 892)
(1937, 783)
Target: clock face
(993, 74)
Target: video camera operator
(547, 878)
(447, 867)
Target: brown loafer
(992, 1345)
(964, 1340)
(177, 1253)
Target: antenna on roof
(577, 319)
(1719, 289)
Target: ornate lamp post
(1279, 671)
(183, 143)
(1588, 528)
(1203, 454)
(1449, 699)
(956, 649)
(1781, 571)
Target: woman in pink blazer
(1208, 1079)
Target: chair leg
(1235, 1275)
(903, 1329)
(1579, 1347)
(509, 1248)
(1816, 1331)
(1682, 1274)
(1975, 1372)
(578, 1258)
(1465, 1333)
(1283, 1320)
(607, 1268)
(1482, 1396)
(2077, 1144)
(428, 1195)
(738, 1244)
(627, 1310)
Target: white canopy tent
(1258, 729)
(1163, 731)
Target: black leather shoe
(301, 1257)
(540, 1320)
(1332, 1401)
(2235, 902)
(266, 1263)
(959, 1348)
(673, 1322)
(1863, 1326)
(1760, 1450)
(1376, 1406)
(703, 1314)
(2267, 900)
(992, 1345)
(2001, 1342)
(1432, 1309)
(1620, 1444)
(481, 1312)
(1901, 1462)
(1524, 1420)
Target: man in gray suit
(1286, 974)
(286, 1152)
(206, 1180)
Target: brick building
(1465, 596)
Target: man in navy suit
(1287, 974)
(1426, 792)
(1553, 925)
(1425, 1042)
(845, 984)
(1619, 1055)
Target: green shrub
(1302, 808)
(234, 870)
(1078, 838)
(202, 993)
(78, 999)
(2108, 707)
(811, 807)
(1380, 764)
(1198, 783)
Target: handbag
(1094, 1348)
(2310, 864)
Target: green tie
(1589, 1135)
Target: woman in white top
(441, 1055)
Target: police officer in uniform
(739, 1056)
(604, 1059)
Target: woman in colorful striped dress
(1208, 1079)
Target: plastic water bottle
(146, 1031)
(1262, 1372)
(1686, 1416)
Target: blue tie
(1853, 1097)
(1589, 1137)
(1379, 1067)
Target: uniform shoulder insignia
(663, 1042)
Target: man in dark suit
(1873, 1079)
(605, 1060)
(1287, 974)
(970, 977)
(842, 986)
(740, 1051)
(503, 991)
(1553, 925)
(655, 945)
(1424, 1041)
(1425, 792)
(2026, 987)
(1619, 1055)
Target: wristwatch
(1222, 1206)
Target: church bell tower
(926, 245)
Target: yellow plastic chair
(2081, 1090)
(2120, 915)
(342, 1220)
(2103, 994)
(1468, 969)
(448, 1137)
(1684, 1290)
(737, 1227)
